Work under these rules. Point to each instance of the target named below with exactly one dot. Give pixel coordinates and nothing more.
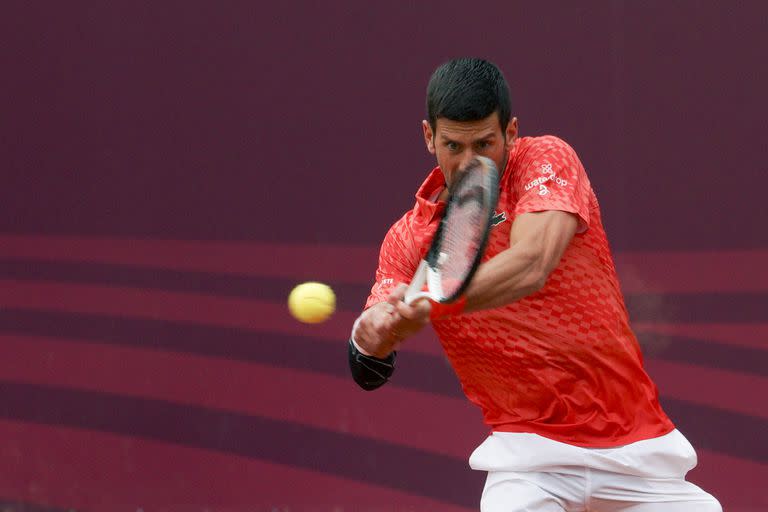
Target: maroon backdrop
(170, 170)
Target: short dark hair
(468, 89)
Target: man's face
(454, 143)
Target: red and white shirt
(563, 362)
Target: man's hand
(383, 326)
(411, 318)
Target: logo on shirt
(498, 218)
(548, 175)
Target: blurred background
(170, 170)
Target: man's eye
(483, 145)
(452, 146)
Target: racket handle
(418, 296)
(414, 290)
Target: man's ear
(429, 137)
(512, 130)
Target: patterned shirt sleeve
(397, 261)
(552, 177)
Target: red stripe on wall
(739, 484)
(163, 305)
(693, 272)
(267, 316)
(249, 314)
(641, 272)
(86, 470)
(70, 468)
(754, 335)
(183, 307)
(723, 389)
(453, 426)
(343, 264)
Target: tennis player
(541, 339)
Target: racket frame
(428, 270)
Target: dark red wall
(170, 170)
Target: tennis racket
(461, 236)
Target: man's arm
(537, 242)
(378, 331)
(376, 337)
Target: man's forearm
(537, 242)
(507, 277)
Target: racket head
(462, 235)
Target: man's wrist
(359, 348)
(355, 343)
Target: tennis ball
(312, 302)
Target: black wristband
(370, 372)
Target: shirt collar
(427, 208)
(426, 205)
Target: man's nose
(466, 158)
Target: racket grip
(414, 291)
(442, 309)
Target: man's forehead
(476, 129)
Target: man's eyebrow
(484, 137)
(446, 140)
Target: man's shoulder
(544, 150)
(544, 143)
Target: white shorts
(528, 472)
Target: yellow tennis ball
(312, 302)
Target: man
(541, 340)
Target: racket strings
(463, 230)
